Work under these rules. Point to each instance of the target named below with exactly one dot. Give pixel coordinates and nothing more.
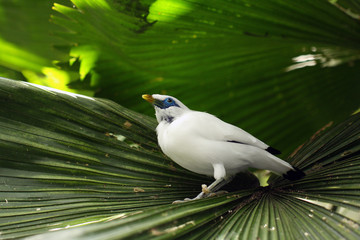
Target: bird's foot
(199, 196)
(205, 189)
(205, 193)
(208, 193)
(182, 201)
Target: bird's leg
(208, 191)
(214, 187)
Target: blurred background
(281, 70)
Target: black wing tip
(273, 151)
(293, 175)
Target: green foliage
(279, 69)
(92, 169)
(282, 69)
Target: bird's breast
(185, 148)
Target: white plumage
(202, 143)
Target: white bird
(204, 144)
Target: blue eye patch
(166, 103)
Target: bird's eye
(169, 100)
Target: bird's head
(167, 108)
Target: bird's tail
(279, 167)
(294, 174)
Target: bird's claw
(205, 189)
(182, 201)
(201, 196)
(205, 192)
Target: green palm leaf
(275, 65)
(68, 161)
(282, 68)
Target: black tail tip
(273, 151)
(293, 175)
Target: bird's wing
(211, 127)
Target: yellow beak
(148, 98)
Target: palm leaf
(92, 169)
(21, 49)
(275, 65)
(29, 48)
(93, 147)
(270, 63)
